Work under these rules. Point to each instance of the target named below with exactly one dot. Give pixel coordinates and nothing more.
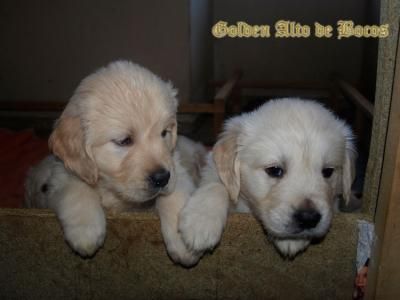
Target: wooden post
(384, 271)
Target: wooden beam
(279, 84)
(356, 97)
(384, 271)
(36, 106)
(225, 91)
(199, 108)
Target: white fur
(75, 203)
(300, 136)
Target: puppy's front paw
(86, 237)
(290, 248)
(181, 255)
(200, 230)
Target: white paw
(289, 248)
(201, 230)
(86, 237)
(181, 255)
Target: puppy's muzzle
(159, 178)
(307, 218)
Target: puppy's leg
(203, 218)
(289, 248)
(78, 208)
(168, 208)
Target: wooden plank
(217, 107)
(279, 84)
(33, 105)
(384, 273)
(227, 88)
(199, 108)
(218, 117)
(357, 98)
(389, 13)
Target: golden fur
(117, 133)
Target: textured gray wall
(289, 59)
(48, 46)
(201, 43)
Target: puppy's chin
(144, 195)
(299, 234)
(291, 231)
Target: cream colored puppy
(285, 162)
(115, 142)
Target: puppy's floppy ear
(226, 160)
(348, 168)
(174, 134)
(67, 142)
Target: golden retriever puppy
(285, 163)
(115, 144)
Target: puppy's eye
(275, 172)
(127, 141)
(327, 172)
(164, 133)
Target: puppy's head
(289, 160)
(119, 130)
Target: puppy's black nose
(307, 218)
(159, 178)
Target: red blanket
(18, 152)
